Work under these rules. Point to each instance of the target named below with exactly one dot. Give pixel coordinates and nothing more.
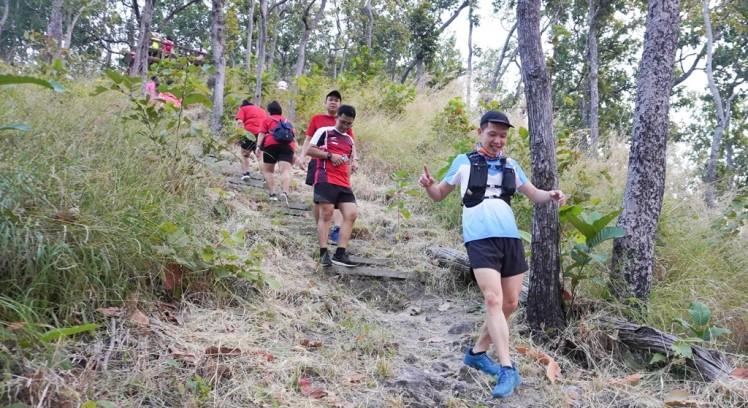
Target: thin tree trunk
(271, 51)
(261, 50)
(544, 309)
(469, 73)
(593, 77)
(633, 255)
(71, 25)
(217, 39)
(496, 76)
(711, 167)
(6, 7)
(305, 33)
(250, 29)
(369, 25)
(141, 56)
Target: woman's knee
(493, 299)
(510, 305)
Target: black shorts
(326, 193)
(311, 168)
(506, 255)
(278, 152)
(247, 144)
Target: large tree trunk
(594, 117)
(305, 33)
(250, 29)
(721, 113)
(54, 29)
(544, 309)
(633, 255)
(469, 73)
(217, 39)
(261, 50)
(6, 7)
(498, 72)
(140, 67)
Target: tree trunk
(6, 7)
(217, 39)
(369, 25)
(469, 73)
(261, 50)
(633, 255)
(306, 31)
(71, 26)
(498, 72)
(594, 117)
(722, 122)
(140, 67)
(544, 308)
(250, 29)
(54, 29)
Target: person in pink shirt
(249, 117)
(150, 88)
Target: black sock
(476, 354)
(322, 251)
(340, 251)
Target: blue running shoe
(508, 380)
(334, 236)
(481, 362)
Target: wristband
(329, 155)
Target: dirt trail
(427, 332)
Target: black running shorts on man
(506, 255)
(247, 144)
(326, 193)
(278, 152)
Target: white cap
(282, 85)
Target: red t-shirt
(320, 121)
(267, 126)
(336, 143)
(252, 117)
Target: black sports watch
(329, 155)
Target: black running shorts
(278, 152)
(246, 144)
(326, 193)
(506, 255)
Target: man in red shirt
(332, 102)
(250, 117)
(273, 151)
(335, 152)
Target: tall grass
(81, 196)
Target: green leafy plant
(397, 194)
(591, 230)
(9, 79)
(698, 329)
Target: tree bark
(140, 67)
(594, 116)
(261, 51)
(369, 25)
(633, 255)
(250, 29)
(217, 39)
(709, 363)
(498, 73)
(71, 26)
(54, 29)
(305, 33)
(544, 308)
(722, 117)
(6, 7)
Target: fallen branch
(708, 362)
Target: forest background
(82, 231)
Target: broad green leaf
(405, 213)
(564, 210)
(9, 79)
(606, 219)
(8, 213)
(99, 90)
(115, 76)
(600, 258)
(682, 349)
(67, 331)
(197, 98)
(656, 358)
(699, 313)
(523, 132)
(683, 323)
(586, 229)
(715, 332)
(605, 234)
(526, 236)
(89, 404)
(272, 283)
(16, 126)
(598, 280)
(238, 236)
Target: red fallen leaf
(566, 295)
(173, 275)
(223, 351)
(262, 353)
(310, 344)
(740, 373)
(355, 378)
(632, 379)
(110, 311)
(182, 354)
(553, 371)
(139, 318)
(308, 390)
(15, 326)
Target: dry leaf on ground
(110, 311)
(310, 344)
(15, 326)
(262, 353)
(355, 378)
(445, 307)
(682, 398)
(139, 318)
(223, 351)
(633, 379)
(309, 391)
(176, 353)
(552, 370)
(740, 373)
